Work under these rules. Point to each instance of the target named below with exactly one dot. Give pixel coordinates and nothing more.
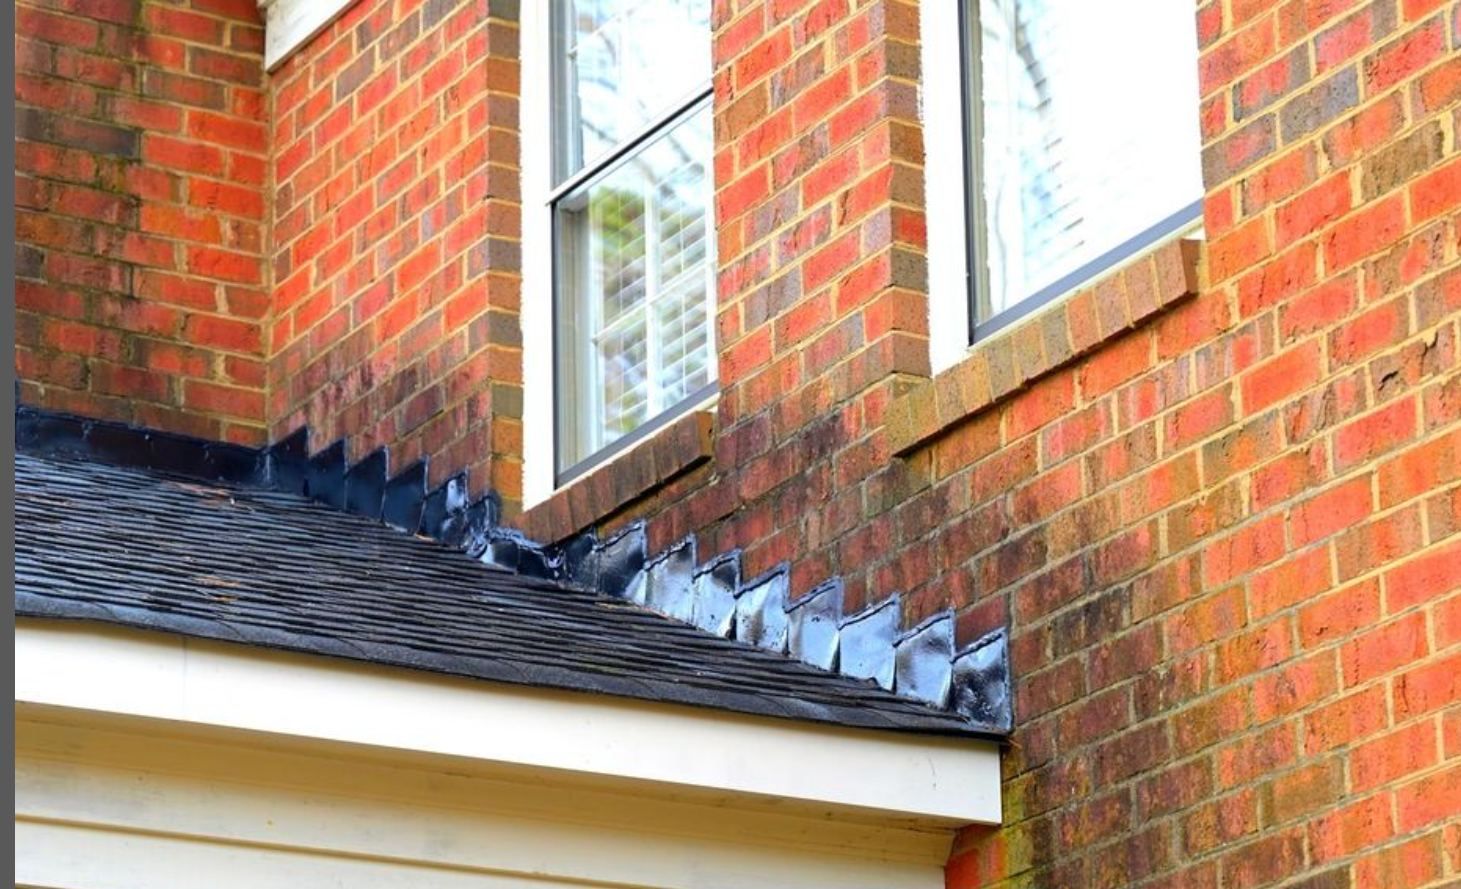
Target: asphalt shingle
(240, 564)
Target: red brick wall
(1221, 526)
(395, 249)
(140, 169)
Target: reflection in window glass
(1082, 155)
(637, 289)
(621, 65)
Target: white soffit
(130, 673)
(289, 24)
(111, 805)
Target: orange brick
(1429, 800)
(1375, 433)
(1386, 648)
(1387, 759)
(1282, 377)
(1331, 511)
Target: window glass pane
(1079, 149)
(636, 289)
(622, 357)
(683, 318)
(622, 64)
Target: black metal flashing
(405, 498)
(365, 484)
(123, 445)
(287, 462)
(918, 666)
(621, 564)
(442, 513)
(923, 660)
(981, 682)
(324, 476)
(670, 582)
(761, 610)
(716, 583)
(867, 640)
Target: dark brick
(1401, 161)
(1233, 154)
(353, 76)
(1320, 105)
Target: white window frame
(541, 386)
(948, 167)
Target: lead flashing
(867, 639)
(923, 660)
(621, 564)
(716, 584)
(981, 682)
(405, 496)
(761, 610)
(365, 484)
(442, 511)
(287, 461)
(670, 582)
(580, 556)
(324, 477)
(813, 635)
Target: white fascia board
(290, 24)
(131, 673)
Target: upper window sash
(1070, 168)
(612, 157)
(636, 55)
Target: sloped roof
(236, 563)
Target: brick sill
(663, 456)
(1074, 327)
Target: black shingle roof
(240, 564)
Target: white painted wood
(290, 24)
(395, 823)
(78, 856)
(188, 681)
(941, 105)
(537, 246)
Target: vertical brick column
(140, 205)
(822, 296)
(396, 238)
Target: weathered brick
(1166, 485)
(1402, 160)
(1319, 105)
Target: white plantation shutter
(633, 221)
(1085, 140)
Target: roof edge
(919, 663)
(122, 672)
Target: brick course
(141, 161)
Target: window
(1081, 143)
(633, 236)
